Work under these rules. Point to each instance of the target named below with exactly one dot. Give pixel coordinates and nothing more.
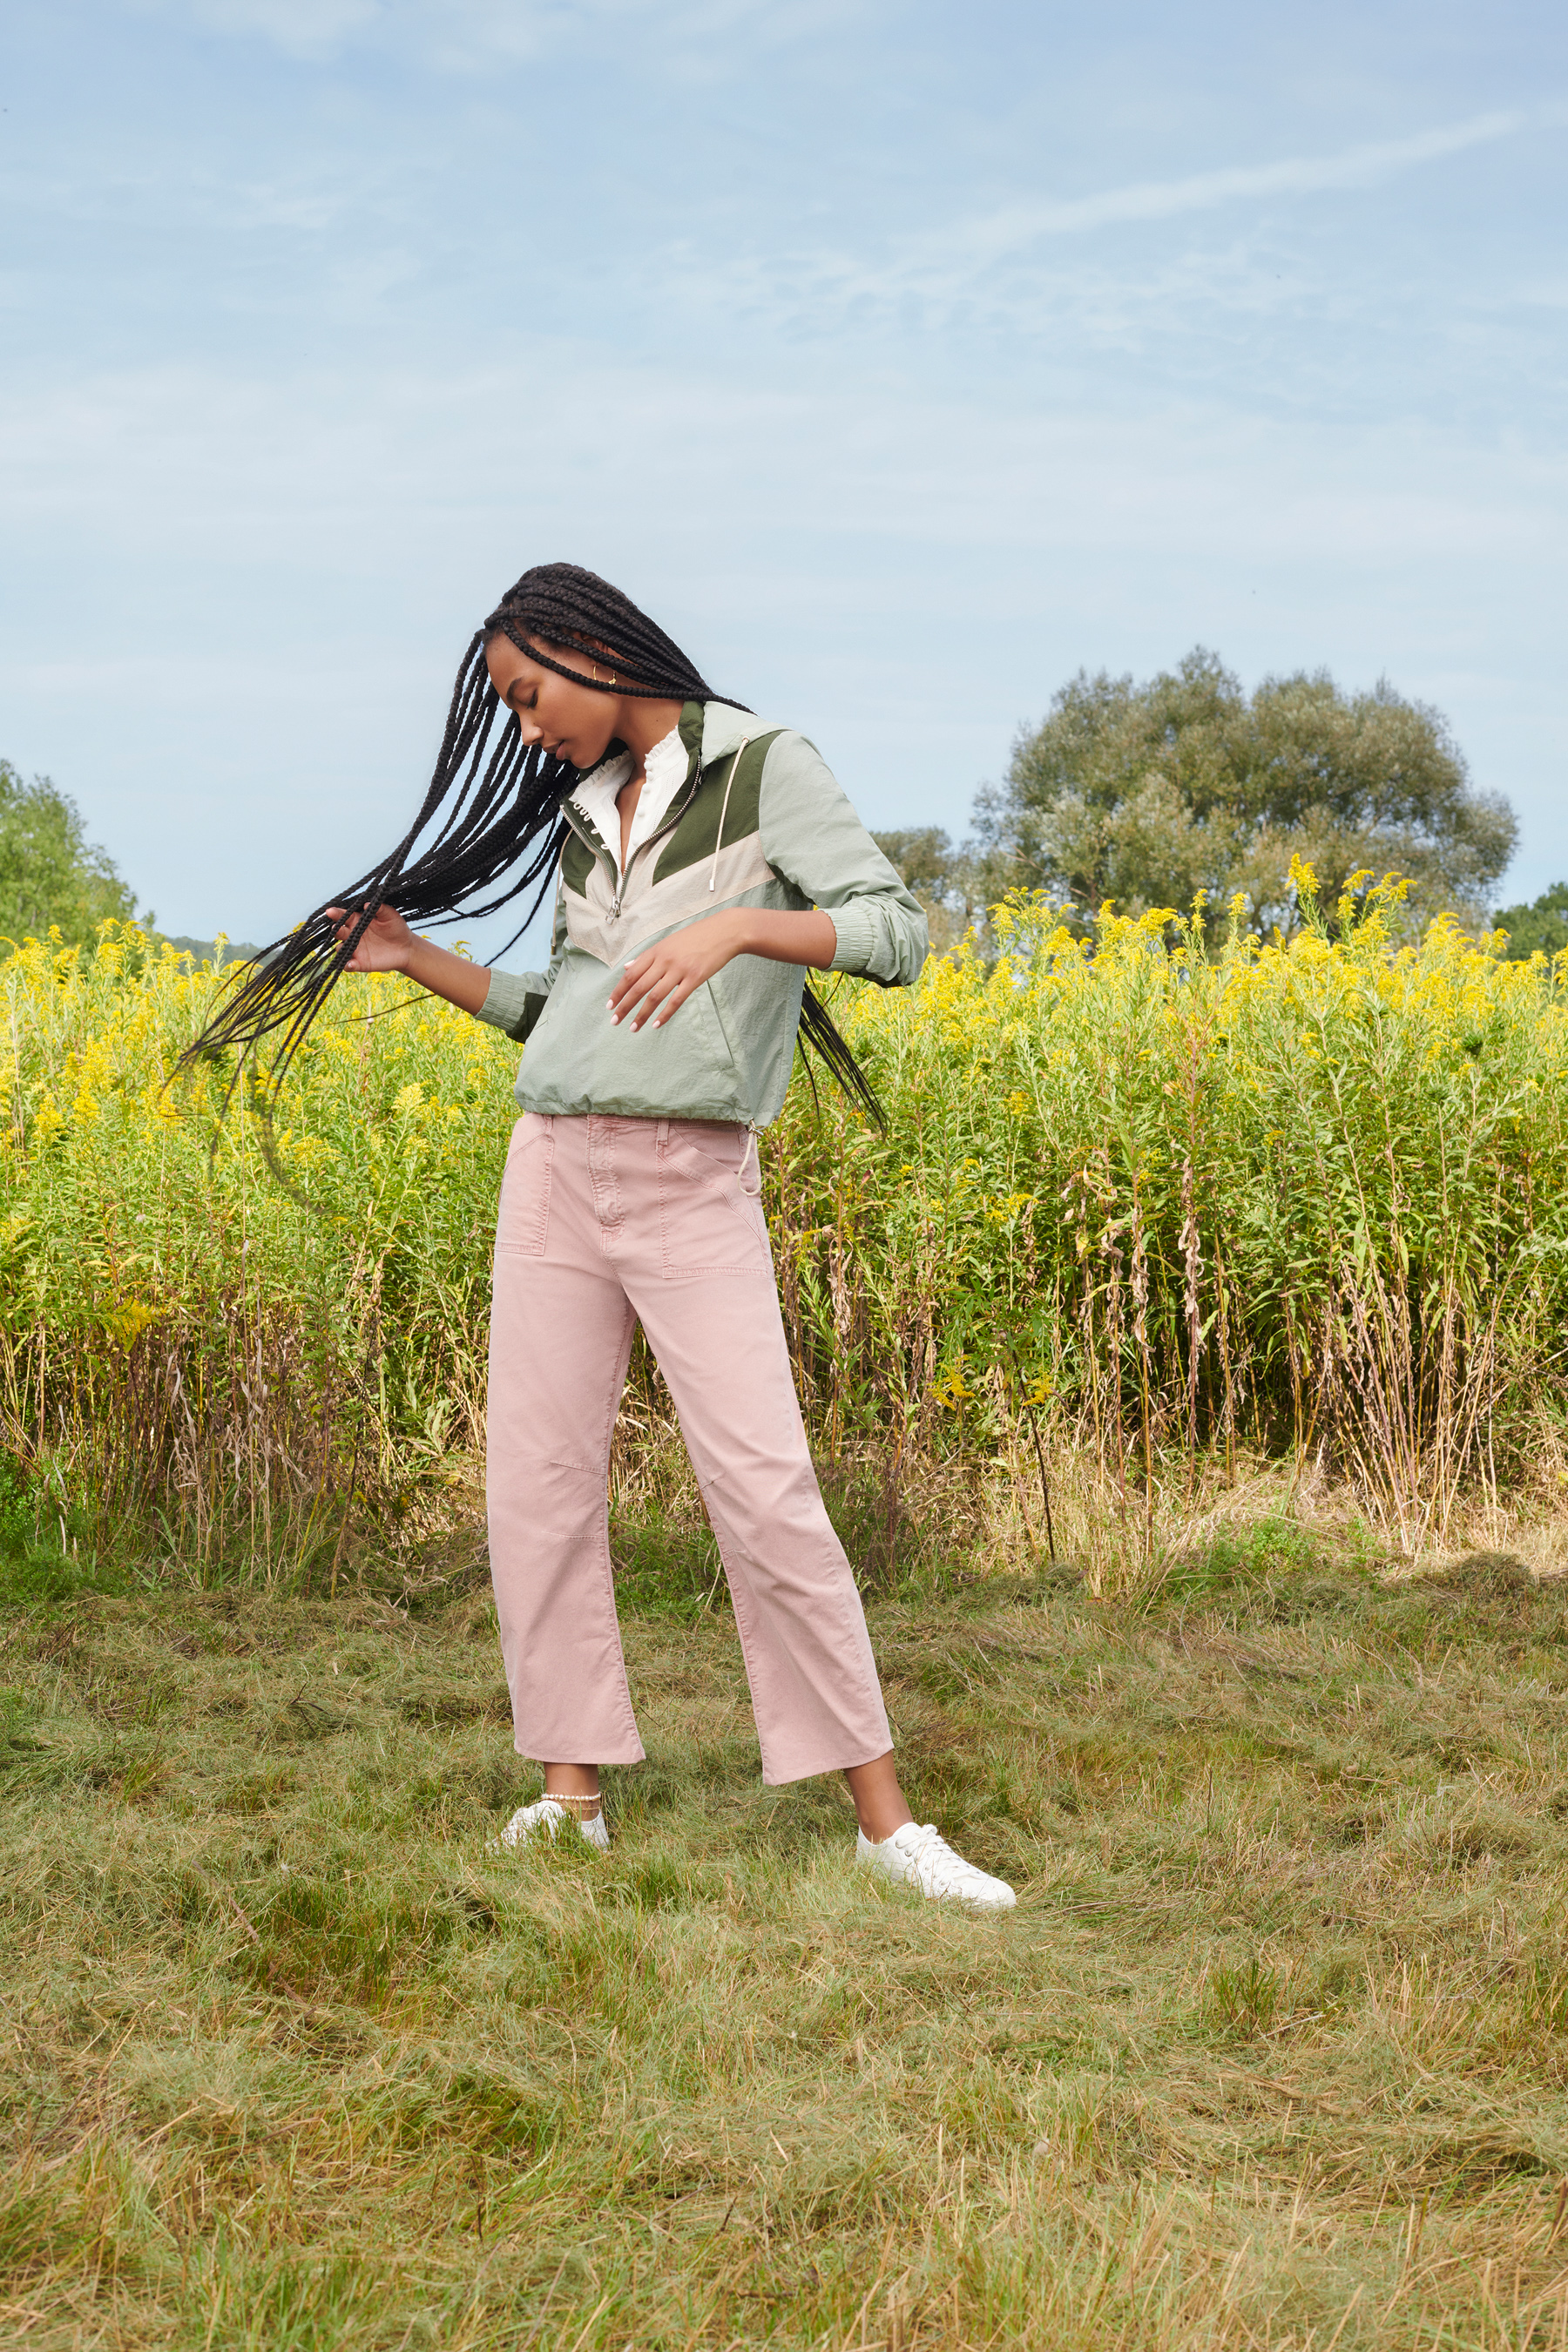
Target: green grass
(1274, 2050)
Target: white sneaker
(921, 1857)
(544, 1820)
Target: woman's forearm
(449, 975)
(784, 938)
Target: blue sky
(899, 358)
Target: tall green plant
(1298, 1196)
(1160, 1202)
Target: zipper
(596, 850)
(673, 818)
(678, 810)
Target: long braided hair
(489, 826)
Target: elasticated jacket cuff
(506, 1005)
(855, 927)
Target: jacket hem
(721, 1113)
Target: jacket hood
(724, 728)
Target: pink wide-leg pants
(606, 1223)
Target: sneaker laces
(946, 1871)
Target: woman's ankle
(574, 1788)
(879, 1803)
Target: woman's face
(571, 721)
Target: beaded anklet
(551, 1798)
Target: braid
(492, 817)
(568, 606)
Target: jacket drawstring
(723, 812)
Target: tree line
(52, 875)
(1148, 794)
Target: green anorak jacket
(759, 822)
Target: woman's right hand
(389, 945)
(386, 943)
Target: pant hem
(600, 1755)
(815, 1771)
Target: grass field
(1237, 1280)
(1272, 2052)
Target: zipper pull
(615, 908)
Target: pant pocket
(522, 1222)
(711, 1221)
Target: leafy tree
(49, 871)
(946, 878)
(1542, 924)
(1145, 794)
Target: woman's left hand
(656, 984)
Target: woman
(703, 862)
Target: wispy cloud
(956, 262)
(1295, 176)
